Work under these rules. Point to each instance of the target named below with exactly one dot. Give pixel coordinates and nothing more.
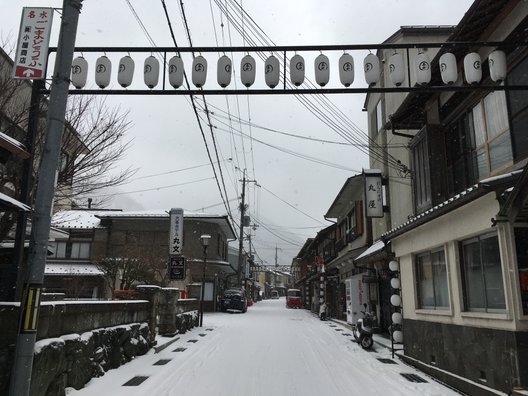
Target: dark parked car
(233, 299)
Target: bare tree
(122, 273)
(94, 140)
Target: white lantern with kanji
(422, 64)
(125, 72)
(223, 71)
(103, 70)
(497, 65)
(151, 71)
(176, 71)
(346, 69)
(448, 68)
(272, 71)
(297, 70)
(396, 69)
(322, 70)
(247, 70)
(199, 71)
(79, 72)
(371, 67)
(473, 68)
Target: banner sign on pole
(177, 268)
(373, 192)
(176, 231)
(31, 55)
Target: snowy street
(270, 350)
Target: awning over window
(376, 247)
(12, 203)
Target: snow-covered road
(270, 350)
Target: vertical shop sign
(33, 42)
(373, 193)
(176, 232)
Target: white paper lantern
(176, 71)
(395, 283)
(395, 300)
(397, 336)
(247, 70)
(473, 68)
(297, 70)
(79, 72)
(125, 72)
(223, 71)
(422, 64)
(394, 265)
(397, 318)
(396, 69)
(346, 69)
(448, 68)
(497, 65)
(322, 70)
(151, 72)
(371, 67)
(103, 70)
(272, 71)
(199, 71)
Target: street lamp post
(204, 239)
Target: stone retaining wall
(79, 340)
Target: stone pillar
(151, 293)
(167, 311)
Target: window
(518, 101)
(479, 143)
(422, 187)
(377, 119)
(482, 274)
(521, 244)
(72, 250)
(431, 279)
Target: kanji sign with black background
(177, 268)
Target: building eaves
(343, 197)
(470, 194)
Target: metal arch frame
(283, 50)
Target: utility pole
(241, 235)
(276, 265)
(38, 248)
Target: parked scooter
(363, 330)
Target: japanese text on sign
(177, 268)
(33, 42)
(176, 232)
(373, 193)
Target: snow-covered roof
(70, 268)
(374, 248)
(77, 219)
(482, 187)
(89, 219)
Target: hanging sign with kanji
(33, 42)
(373, 193)
(177, 268)
(176, 232)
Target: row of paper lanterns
(371, 67)
(397, 317)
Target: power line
(224, 199)
(156, 188)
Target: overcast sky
(294, 192)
